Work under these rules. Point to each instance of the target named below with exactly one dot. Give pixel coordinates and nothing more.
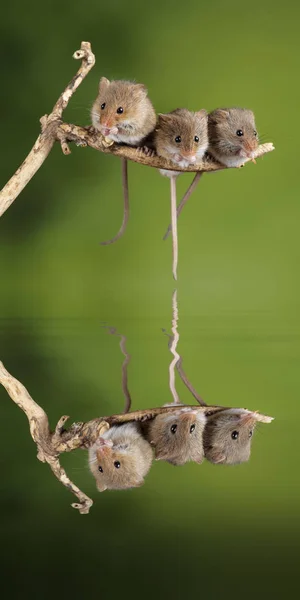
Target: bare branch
(88, 136)
(49, 135)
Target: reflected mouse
(120, 458)
(177, 437)
(228, 435)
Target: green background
(213, 531)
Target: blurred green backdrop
(195, 530)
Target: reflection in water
(177, 361)
(173, 346)
(113, 331)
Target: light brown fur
(136, 121)
(185, 124)
(123, 444)
(219, 445)
(183, 444)
(225, 145)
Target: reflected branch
(79, 435)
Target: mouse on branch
(228, 435)
(123, 113)
(181, 136)
(233, 137)
(233, 140)
(120, 458)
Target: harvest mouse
(182, 137)
(233, 137)
(177, 436)
(233, 140)
(227, 436)
(123, 113)
(120, 458)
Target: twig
(184, 200)
(50, 133)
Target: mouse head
(182, 136)
(228, 435)
(233, 132)
(121, 462)
(177, 437)
(117, 105)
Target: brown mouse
(228, 435)
(120, 458)
(233, 137)
(177, 436)
(182, 137)
(123, 113)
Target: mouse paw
(146, 151)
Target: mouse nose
(189, 156)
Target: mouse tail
(184, 200)
(126, 205)
(173, 180)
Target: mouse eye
(196, 139)
(239, 132)
(117, 464)
(192, 428)
(255, 132)
(103, 106)
(178, 139)
(120, 110)
(173, 428)
(235, 435)
(100, 469)
(250, 433)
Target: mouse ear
(221, 114)
(164, 118)
(141, 88)
(103, 84)
(101, 487)
(201, 113)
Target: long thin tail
(174, 225)
(126, 205)
(182, 374)
(184, 200)
(173, 346)
(113, 331)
